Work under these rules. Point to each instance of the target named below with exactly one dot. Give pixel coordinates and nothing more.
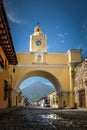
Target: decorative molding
(35, 64)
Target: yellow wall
(75, 55)
(57, 67)
(56, 58)
(3, 75)
(49, 58)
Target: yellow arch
(43, 74)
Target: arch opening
(43, 74)
(36, 88)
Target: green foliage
(73, 73)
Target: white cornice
(43, 65)
(63, 53)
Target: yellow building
(80, 83)
(7, 57)
(56, 67)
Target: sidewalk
(82, 109)
(6, 110)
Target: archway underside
(43, 74)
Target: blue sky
(63, 21)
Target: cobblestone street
(30, 118)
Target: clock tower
(38, 41)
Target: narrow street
(34, 118)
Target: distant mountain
(37, 90)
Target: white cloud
(13, 19)
(62, 41)
(12, 16)
(61, 38)
(61, 35)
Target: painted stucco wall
(3, 76)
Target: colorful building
(7, 57)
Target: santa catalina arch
(56, 67)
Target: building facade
(49, 100)
(7, 57)
(53, 99)
(80, 83)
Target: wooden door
(82, 98)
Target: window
(5, 89)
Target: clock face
(38, 43)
